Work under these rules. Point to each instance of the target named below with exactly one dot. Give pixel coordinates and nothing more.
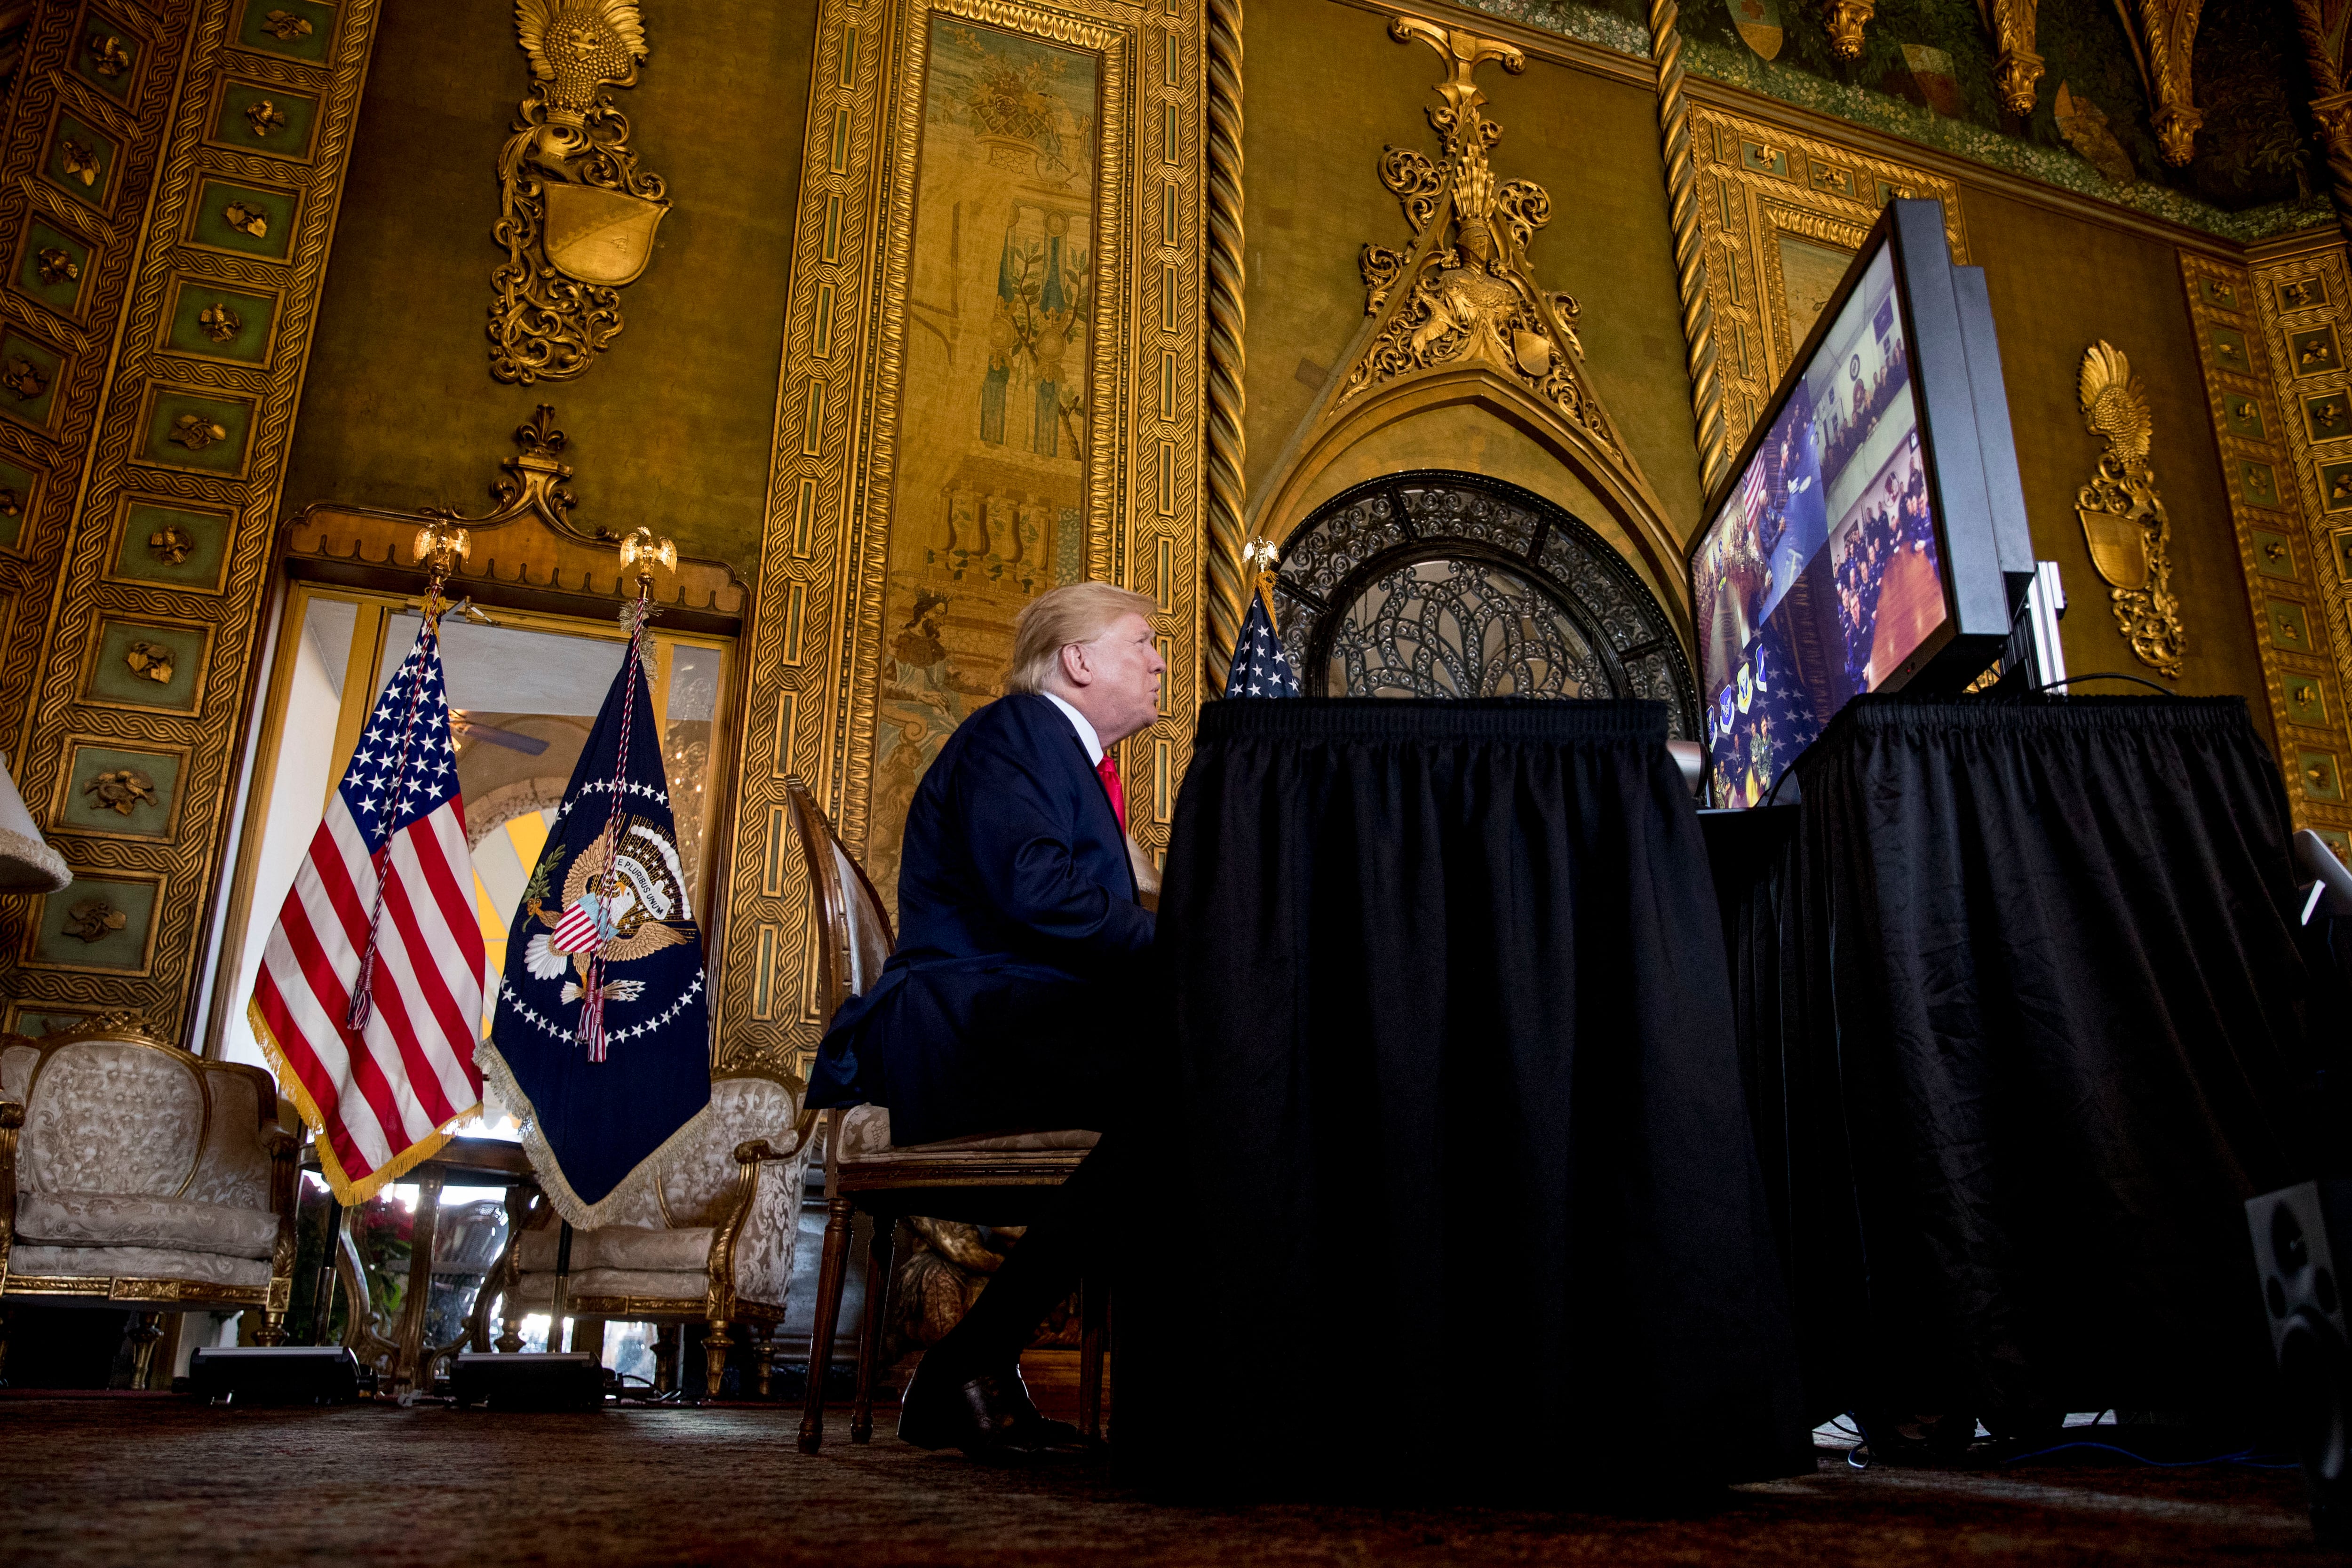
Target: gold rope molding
(1228, 590)
(1690, 254)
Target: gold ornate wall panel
(1783, 215)
(149, 645)
(71, 244)
(2284, 433)
(991, 385)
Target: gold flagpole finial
(1263, 554)
(440, 545)
(642, 550)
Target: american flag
(388, 885)
(1751, 495)
(1261, 667)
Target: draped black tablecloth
(2022, 1019)
(1448, 1170)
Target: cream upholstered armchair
(706, 1234)
(995, 1180)
(134, 1173)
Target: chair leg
(1094, 1313)
(666, 1338)
(715, 1346)
(143, 1333)
(879, 1249)
(829, 1282)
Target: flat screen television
(1860, 541)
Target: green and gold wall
(955, 299)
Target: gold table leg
(408, 1370)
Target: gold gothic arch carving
(1459, 319)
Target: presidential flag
(1260, 667)
(600, 1042)
(368, 1000)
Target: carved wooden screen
(1442, 584)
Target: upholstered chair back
(116, 1116)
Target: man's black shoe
(989, 1415)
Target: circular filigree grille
(1451, 586)
(1449, 628)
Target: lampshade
(27, 864)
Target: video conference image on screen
(1820, 575)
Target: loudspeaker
(528, 1382)
(275, 1374)
(2301, 1237)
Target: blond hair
(1073, 613)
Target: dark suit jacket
(1018, 922)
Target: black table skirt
(1449, 1167)
(2024, 1024)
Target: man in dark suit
(1020, 935)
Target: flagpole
(640, 549)
(440, 544)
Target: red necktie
(1107, 770)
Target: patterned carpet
(148, 1481)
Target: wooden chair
(996, 1180)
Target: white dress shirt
(1086, 736)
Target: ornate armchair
(132, 1172)
(706, 1234)
(986, 1181)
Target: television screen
(1820, 575)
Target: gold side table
(462, 1161)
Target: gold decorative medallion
(2124, 521)
(77, 160)
(24, 379)
(194, 431)
(152, 661)
(122, 790)
(264, 116)
(286, 26)
(219, 322)
(577, 215)
(1466, 293)
(94, 919)
(107, 56)
(170, 545)
(249, 220)
(55, 266)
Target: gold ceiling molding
(1225, 487)
(2294, 568)
(1845, 20)
(2162, 34)
(1690, 244)
(2123, 522)
(576, 215)
(1463, 293)
(2323, 23)
(2017, 70)
(1780, 212)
